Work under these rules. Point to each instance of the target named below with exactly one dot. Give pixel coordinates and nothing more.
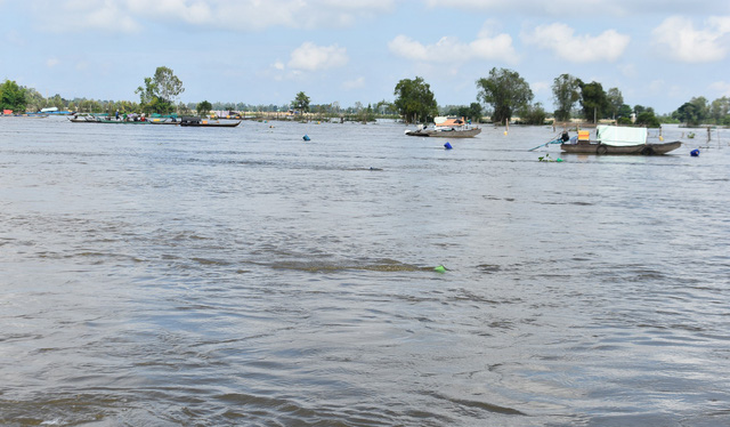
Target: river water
(165, 276)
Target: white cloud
(540, 7)
(310, 57)
(408, 48)
(451, 50)
(52, 62)
(722, 88)
(628, 70)
(354, 84)
(679, 39)
(561, 39)
(241, 15)
(76, 15)
(561, 8)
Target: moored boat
(446, 128)
(198, 122)
(617, 140)
(104, 119)
(165, 121)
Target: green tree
(638, 109)
(566, 92)
(615, 101)
(594, 101)
(506, 91)
(182, 108)
(476, 112)
(689, 113)
(472, 112)
(383, 107)
(12, 96)
(203, 108)
(702, 106)
(301, 102)
(719, 109)
(533, 114)
(34, 101)
(159, 92)
(648, 118)
(624, 111)
(623, 116)
(414, 100)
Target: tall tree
(690, 113)
(34, 101)
(203, 108)
(12, 96)
(472, 112)
(615, 101)
(702, 106)
(414, 100)
(475, 112)
(594, 101)
(532, 114)
(648, 118)
(506, 91)
(719, 109)
(623, 116)
(301, 102)
(566, 92)
(159, 92)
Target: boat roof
(620, 136)
(448, 121)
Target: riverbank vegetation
(503, 96)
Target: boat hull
(164, 122)
(109, 122)
(445, 133)
(210, 124)
(601, 149)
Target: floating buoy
(448, 146)
(695, 153)
(306, 138)
(440, 269)
(558, 160)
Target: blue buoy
(448, 146)
(695, 153)
(306, 138)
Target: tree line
(509, 95)
(502, 95)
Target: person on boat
(117, 115)
(565, 137)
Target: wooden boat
(446, 128)
(171, 122)
(198, 122)
(98, 119)
(445, 133)
(616, 140)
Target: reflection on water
(166, 276)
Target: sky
(658, 53)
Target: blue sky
(658, 53)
